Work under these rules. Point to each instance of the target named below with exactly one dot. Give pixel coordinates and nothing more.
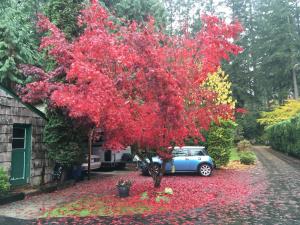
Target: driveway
(279, 203)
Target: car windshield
(205, 151)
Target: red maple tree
(134, 82)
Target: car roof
(189, 147)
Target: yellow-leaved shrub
(280, 113)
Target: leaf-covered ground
(272, 197)
(99, 197)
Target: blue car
(185, 159)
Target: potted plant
(124, 187)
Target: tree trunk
(296, 93)
(90, 142)
(157, 172)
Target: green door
(20, 163)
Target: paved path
(278, 204)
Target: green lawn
(234, 156)
(98, 207)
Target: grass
(234, 161)
(97, 207)
(234, 155)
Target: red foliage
(225, 187)
(136, 83)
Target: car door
(181, 160)
(195, 158)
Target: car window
(180, 152)
(197, 152)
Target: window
(197, 153)
(18, 140)
(180, 152)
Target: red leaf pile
(190, 192)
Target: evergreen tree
(278, 47)
(18, 39)
(64, 13)
(263, 72)
(241, 68)
(182, 14)
(138, 10)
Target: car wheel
(205, 170)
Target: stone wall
(12, 111)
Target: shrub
(220, 141)
(244, 145)
(64, 141)
(247, 157)
(220, 155)
(4, 182)
(284, 136)
(281, 113)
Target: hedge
(285, 136)
(220, 141)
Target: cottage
(22, 152)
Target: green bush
(244, 145)
(220, 141)
(220, 155)
(64, 141)
(284, 136)
(247, 157)
(4, 182)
